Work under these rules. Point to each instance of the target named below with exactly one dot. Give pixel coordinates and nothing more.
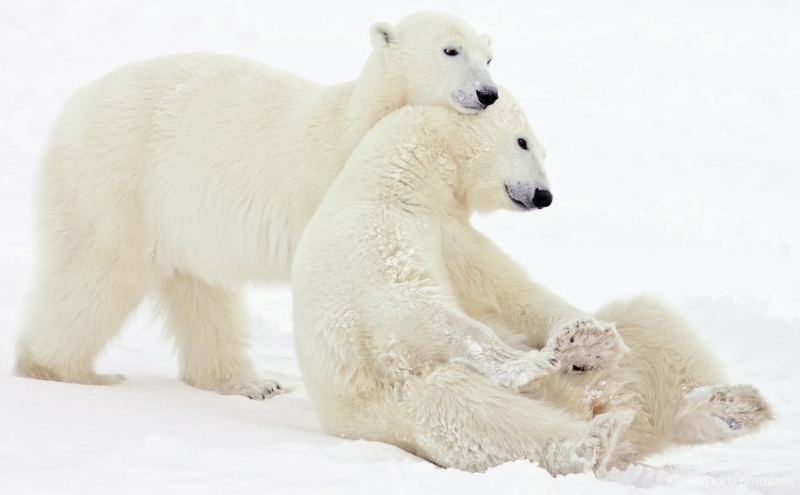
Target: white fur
(386, 348)
(403, 314)
(191, 175)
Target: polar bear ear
(486, 38)
(382, 34)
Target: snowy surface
(673, 138)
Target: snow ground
(672, 134)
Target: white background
(673, 135)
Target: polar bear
(189, 176)
(413, 329)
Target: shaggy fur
(405, 317)
(188, 176)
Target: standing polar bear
(191, 175)
(413, 329)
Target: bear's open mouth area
(517, 202)
(463, 100)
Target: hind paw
(27, 368)
(256, 389)
(601, 440)
(720, 413)
(739, 407)
(595, 445)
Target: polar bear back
(211, 165)
(174, 151)
(255, 152)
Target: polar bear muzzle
(529, 196)
(486, 95)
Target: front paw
(533, 366)
(587, 344)
(513, 369)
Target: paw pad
(587, 344)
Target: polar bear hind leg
(209, 327)
(674, 383)
(456, 418)
(77, 305)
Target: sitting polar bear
(191, 175)
(403, 316)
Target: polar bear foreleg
(480, 350)
(494, 290)
(209, 326)
(424, 330)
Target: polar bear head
(500, 160)
(440, 59)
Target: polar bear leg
(209, 326)
(667, 361)
(76, 307)
(460, 419)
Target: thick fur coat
(413, 329)
(188, 176)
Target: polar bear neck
(381, 89)
(419, 175)
(419, 171)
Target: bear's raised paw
(587, 344)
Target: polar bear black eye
(450, 52)
(522, 143)
(489, 62)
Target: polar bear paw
(111, 379)
(533, 366)
(593, 446)
(596, 446)
(27, 368)
(252, 389)
(587, 344)
(722, 412)
(601, 440)
(512, 369)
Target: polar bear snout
(476, 101)
(528, 196)
(487, 95)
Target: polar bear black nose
(542, 198)
(487, 96)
